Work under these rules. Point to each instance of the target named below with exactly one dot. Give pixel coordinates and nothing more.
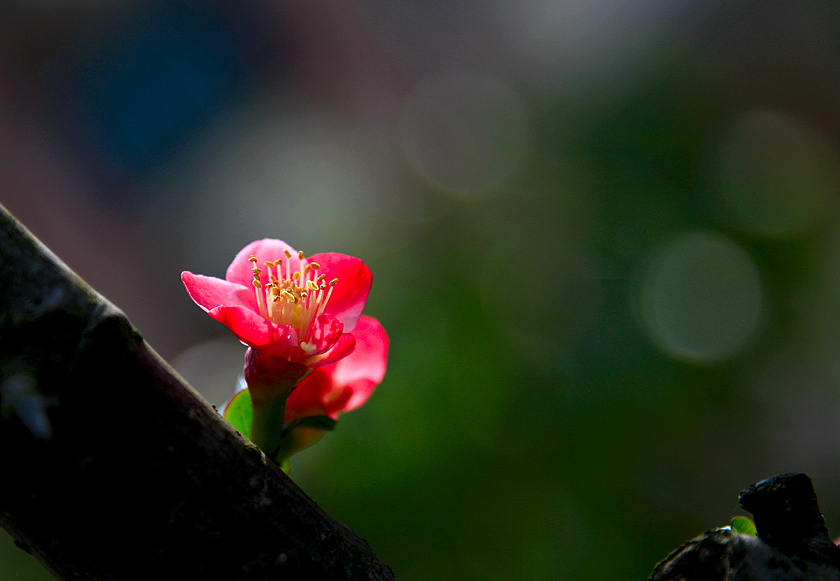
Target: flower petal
(209, 292)
(365, 367)
(343, 347)
(247, 324)
(347, 383)
(350, 293)
(325, 332)
(241, 269)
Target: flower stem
(283, 452)
(267, 424)
(270, 380)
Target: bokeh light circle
(702, 298)
(464, 131)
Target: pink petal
(343, 347)
(247, 324)
(240, 270)
(325, 332)
(347, 383)
(365, 368)
(209, 292)
(308, 397)
(351, 291)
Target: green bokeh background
(545, 414)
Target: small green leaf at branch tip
(238, 412)
(325, 423)
(744, 525)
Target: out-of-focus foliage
(605, 239)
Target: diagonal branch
(114, 468)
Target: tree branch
(114, 468)
(791, 540)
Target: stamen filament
(258, 287)
(327, 299)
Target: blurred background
(605, 239)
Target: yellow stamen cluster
(295, 298)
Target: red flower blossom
(281, 304)
(301, 319)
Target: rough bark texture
(792, 543)
(114, 468)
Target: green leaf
(744, 525)
(238, 412)
(325, 423)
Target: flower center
(292, 297)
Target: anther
(304, 298)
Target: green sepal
(744, 525)
(325, 423)
(238, 412)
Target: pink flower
(311, 355)
(283, 305)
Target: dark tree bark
(791, 541)
(114, 468)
